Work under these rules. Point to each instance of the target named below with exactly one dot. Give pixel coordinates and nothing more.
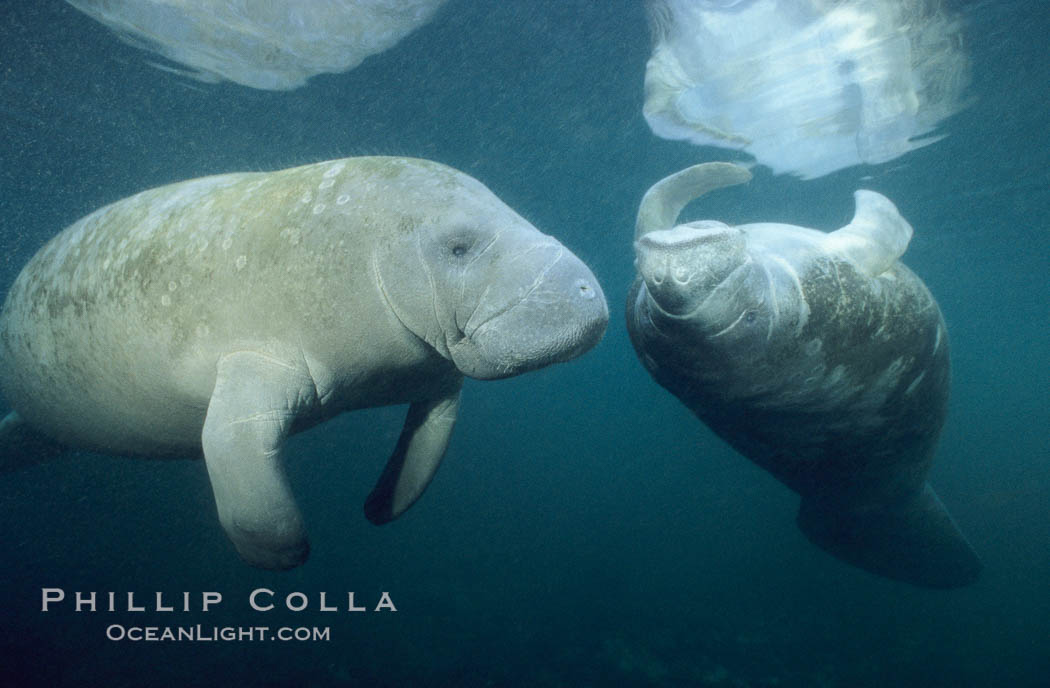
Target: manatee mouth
(560, 315)
(682, 267)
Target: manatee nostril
(586, 290)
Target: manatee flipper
(875, 238)
(420, 448)
(914, 541)
(664, 200)
(21, 445)
(253, 405)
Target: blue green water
(584, 528)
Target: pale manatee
(223, 314)
(268, 45)
(818, 356)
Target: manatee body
(818, 356)
(223, 314)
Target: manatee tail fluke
(21, 445)
(915, 541)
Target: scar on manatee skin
(333, 171)
(292, 234)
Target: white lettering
(298, 596)
(49, 595)
(131, 605)
(386, 603)
(208, 599)
(160, 604)
(88, 601)
(261, 591)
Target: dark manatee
(818, 356)
(221, 315)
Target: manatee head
(700, 278)
(478, 283)
(701, 286)
(695, 275)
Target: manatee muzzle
(683, 265)
(558, 317)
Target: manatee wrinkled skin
(818, 356)
(221, 315)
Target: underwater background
(585, 529)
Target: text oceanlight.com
(202, 633)
(259, 601)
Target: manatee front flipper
(664, 200)
(21, 445)
(255, 401)
(915, 541)
(416, 457)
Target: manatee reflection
(274, 45)
(807, 87)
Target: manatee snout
(560, 315)
(683, 265)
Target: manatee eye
(461, 244)
(750, 317)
